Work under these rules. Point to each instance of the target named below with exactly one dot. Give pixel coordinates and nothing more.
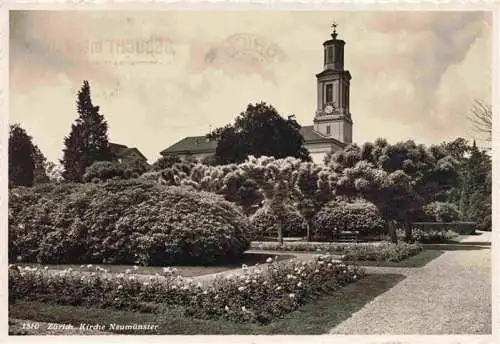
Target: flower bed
(261, 294)
(324, 247)
(387, 252)
(377, 251)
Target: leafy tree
(314, 187)
(21, 157)
(88, 139)
(259, 131)
(416, 175)
(476, 201)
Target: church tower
(333, 118)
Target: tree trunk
(309, 226)
(408, 232)
(391, 226)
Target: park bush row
(124, 222)
(260, 294)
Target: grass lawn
(185, 271)
(317, 317)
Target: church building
(332, 123)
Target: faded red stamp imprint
(240, 54)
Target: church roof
(200, 144)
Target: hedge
(124, 222)
(462, 228)
(341, 216)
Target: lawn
(317, 317)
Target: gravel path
(450, 295)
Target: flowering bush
(337, 216)
(260, 294)
(388, 252)
(130, 222)
(266, 223)
(433, 236)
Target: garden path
(449, 295)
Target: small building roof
(119, 150)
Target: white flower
(174, 287)
(247, 281)
(316, 271)
(244, 267)
(292, 296)
(120, 275)
(216, 297)
(120, 287)
(82, 266)
(199, 285)
(157, 274)
(243, 308)
(229, 277)
(241, 288)
(354, 277)
(299, 284)
(131, 278)
(226, 308)
(166, 270)
(278, 288)
(151, 277)
(116, 299)
(145, 284)
(136, 267)
(46, 268)
(254, 281)
(174, 270)
(330, 265)
(264, 283)
(128, 271)
(89, 266)
(289, 276)
(269, 260)
(205, 292)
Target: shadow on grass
(317, 317)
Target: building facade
(332, 121)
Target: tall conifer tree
(88, 139)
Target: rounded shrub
(127, 222)
(441, 212)
(105, 170)
(266, 223)
(337, 216)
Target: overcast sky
(159, 77)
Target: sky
(161, 76)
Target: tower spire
(334, 33)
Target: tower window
(327, 130)
(329, 93)
(329, 55)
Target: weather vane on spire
(334, 26)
